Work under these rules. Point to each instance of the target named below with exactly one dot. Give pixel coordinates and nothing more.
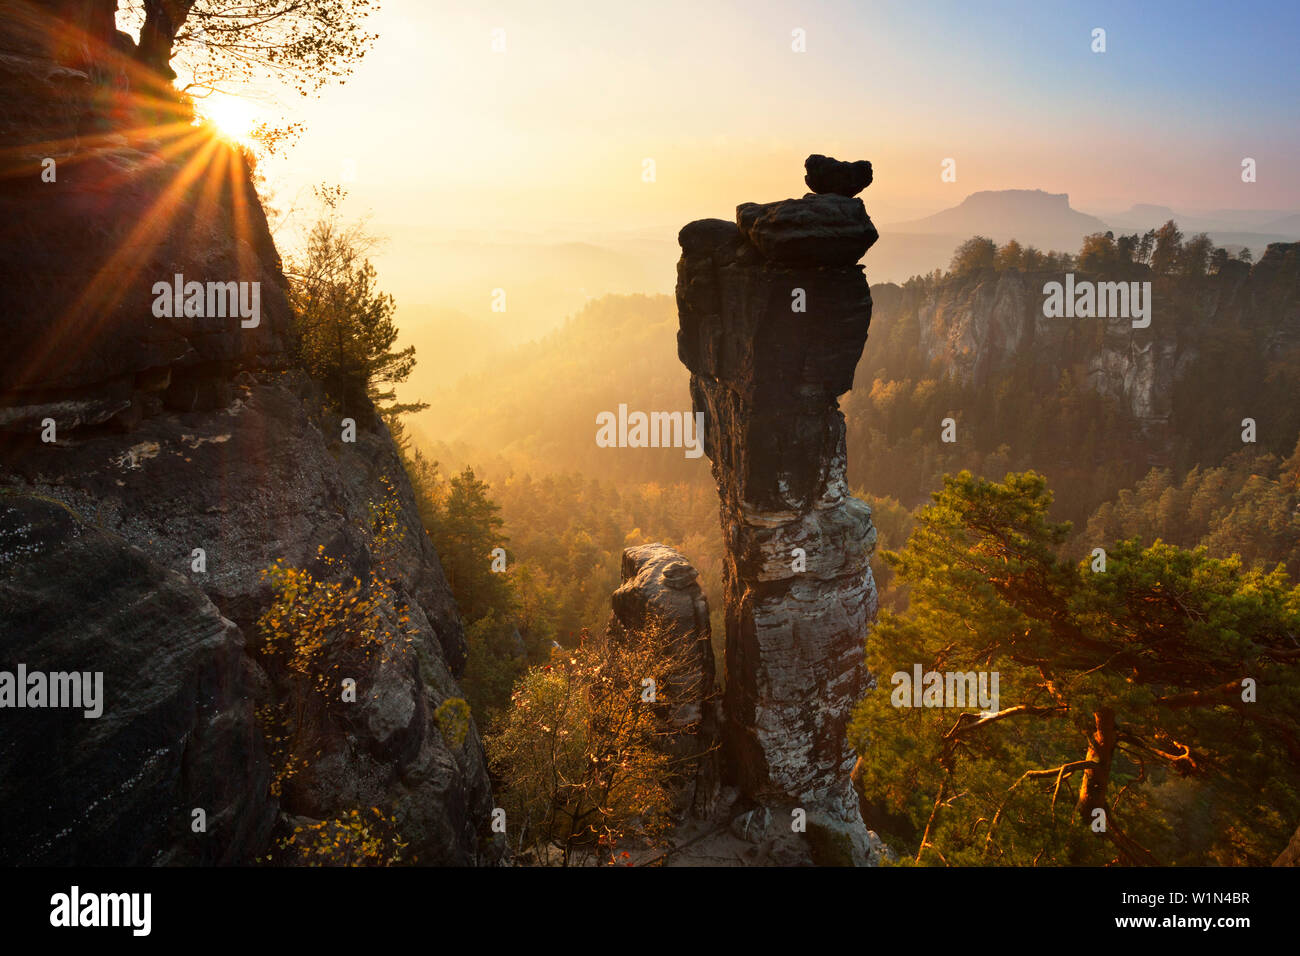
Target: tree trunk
(162, 21)
(1096, 779)
(1096, 782)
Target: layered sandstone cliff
(976, 326)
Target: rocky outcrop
(813, 231)
(176, 732)
(152, 467)
(262, 480)
(773, 316)
(660, 584)
(661, 589)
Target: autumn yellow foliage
(354, 839)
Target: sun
(232, 117)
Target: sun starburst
(233, 117)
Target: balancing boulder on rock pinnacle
(827, 175)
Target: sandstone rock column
(773, 312)
(661, 588)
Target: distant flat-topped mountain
(1030, 216)
(1023, 214)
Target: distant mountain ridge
(1255, 228)
(1047, 220)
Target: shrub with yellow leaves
(323, 625)
(354, 839)
(452, 717)
(580, 751)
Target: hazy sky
(549, 137)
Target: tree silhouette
(1168, 247)
(305, 43)
(345, 325)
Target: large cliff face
(172, 435)
(974, 326)
(773, 316)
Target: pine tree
(471, 530)
(1168, 247)
(1141, 697)
(345, 324)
